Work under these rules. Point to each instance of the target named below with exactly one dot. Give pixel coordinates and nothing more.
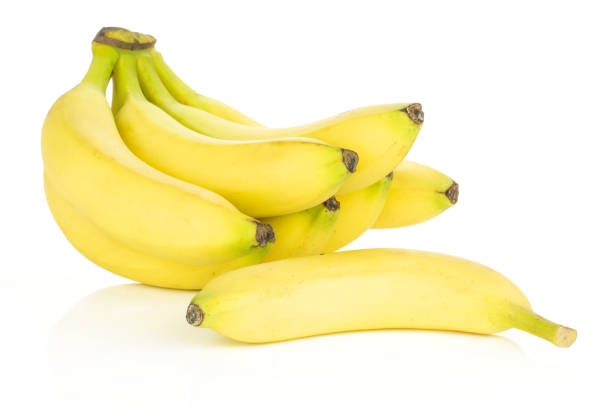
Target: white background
(517, 98)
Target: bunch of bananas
(172, 188)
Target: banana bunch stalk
(175, 189)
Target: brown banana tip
(264, 234)
(452, 193)
(415, 113)
(195, 315)
(331, 204)
(123, 38)
(350, 159)
(389, 176)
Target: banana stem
(126, 80)
(101, 67)
(535, 324)
(182, 91)
(184, 94)
(152, 85)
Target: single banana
(88, 163)
(418, 193)
(303, 233)
(261, 178)
(381, 135)
(363, 290)
(122, 260)
(360, 209)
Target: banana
(122, 260)
(359, 211)
(418, 193)
(304, 233)
(261, 178)
(86, 160)
(363, 290)
(381, 135)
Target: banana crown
(124, 39)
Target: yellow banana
(303, 233)
(86, 160)
(362, 290)
(418, 193)
(262, 178)
(381, 135)
(118, 258)
(359, 211)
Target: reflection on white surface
(131, 338)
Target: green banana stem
(101, 67)
(535, 324)
(187, 96)
(154, 89)
(181, 90)
(125, 77)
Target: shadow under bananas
(131, 315)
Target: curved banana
(418, 193)
(363, 290)
(86, 160)
(261, 178)
(359, 211)
(304, 233)
(122, 260)
(381, 135)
